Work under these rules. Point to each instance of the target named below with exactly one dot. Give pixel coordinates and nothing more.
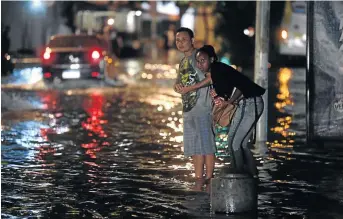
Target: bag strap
(207, 93)
(256, 120)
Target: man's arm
(177, 85)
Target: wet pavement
(94, 149)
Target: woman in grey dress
(247, 95)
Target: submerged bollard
(233, 193)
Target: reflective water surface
(116, 152)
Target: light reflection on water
(17, 146)
(284, 99)
(117, 153)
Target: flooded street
(104, 150)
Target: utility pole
(153, 6)
(261, 63)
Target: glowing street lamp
(36, 3)
(110, 21)
(138, 13)
(37, 6)
(250, 31)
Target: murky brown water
(106, 152)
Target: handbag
(223, 114)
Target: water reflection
(20, 141)
(26, 76)
(159, 71)
(97, 137)
(50, 99)
(117, 153)
(284, 99)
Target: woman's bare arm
(235, 96)
(205, 82)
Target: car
(74, 57)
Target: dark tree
(237, 16)
(234, 17)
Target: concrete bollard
(233, 193)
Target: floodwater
(94, 150)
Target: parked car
(74, 57)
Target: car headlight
(284, 34)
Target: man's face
(183, 42)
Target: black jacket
(225, 79)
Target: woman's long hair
(209, 50)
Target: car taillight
(48, 56)
(95, 54)
(47, 75)
(95, 74)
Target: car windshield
(79, 41)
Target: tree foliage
(233, 18)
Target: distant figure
(226, 58)
(63, 28)
(5, 40)
(107, 39)
(6, 64)
(169, 44)
(116, 42)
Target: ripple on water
(102, 153)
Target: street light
(250, 31)
(36, 4)
(284, 34)
(110, 21)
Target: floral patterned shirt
(188, 76)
